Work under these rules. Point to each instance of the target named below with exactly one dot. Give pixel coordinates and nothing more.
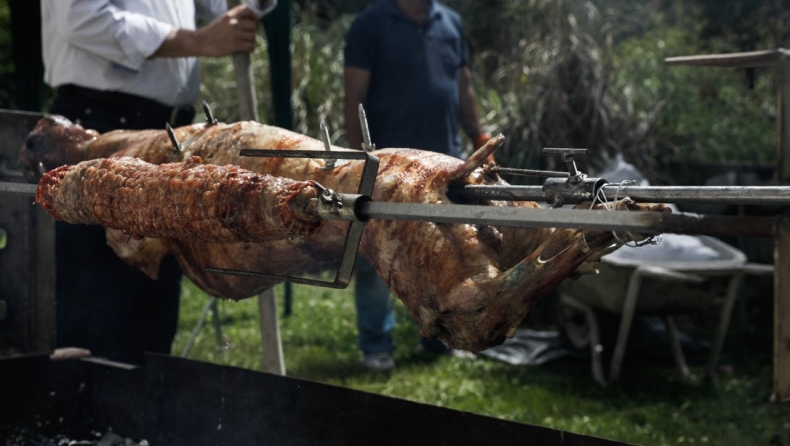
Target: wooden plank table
(778, 59)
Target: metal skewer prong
(367, 145)
(173, 139)
(330, 163)
(210, 119)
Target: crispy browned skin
(190, 200)
(467, 285)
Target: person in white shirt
(144, 48)
(128, 64)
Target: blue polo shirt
(413, 96)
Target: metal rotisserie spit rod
(641, 222)
(751, 195)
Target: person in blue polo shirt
(406, 61)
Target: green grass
(651, 405)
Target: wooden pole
(245, 85)
(270, 333)
(783, 119)
(782, 241)
(267, 304)
(782, 311)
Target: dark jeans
(103, 304)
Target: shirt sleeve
(102, 29)
(360, 50)
(464, 50)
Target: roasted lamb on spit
(467, 285)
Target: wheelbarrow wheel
(574, 328)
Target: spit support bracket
(559, 191)
(331, 206)
(575, 186)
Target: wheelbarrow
(681, 275)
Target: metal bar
(755, 195)
(270, 333)
(763, 195)
(725, 314)
(196, 330)
(18, 188)
(626, 318)
(320, 154)
(674, 345)
(568, 156)
(641, 222)
(531, 172)
(245, 85)
(524, 217)
(596, 348)
(564, 152)
(215, 321)
(752, 59)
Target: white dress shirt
(106, 45)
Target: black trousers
(103, 304)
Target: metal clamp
(559, 191)
(332, 206)
(343, 207)
(569, 158)
(576, 187)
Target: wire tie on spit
(651, 240)
(328, 195)
(600, 196)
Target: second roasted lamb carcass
(467, 285)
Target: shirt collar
(391, 7)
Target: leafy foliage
(706, 114)
(748, 24)
(561, 73)
(317, 85)
(590, 74)
(7, 86)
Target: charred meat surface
(190, 200)
(467, 285)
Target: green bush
(704, 113)
(7, 87)
(557, 73)
(317, 79)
